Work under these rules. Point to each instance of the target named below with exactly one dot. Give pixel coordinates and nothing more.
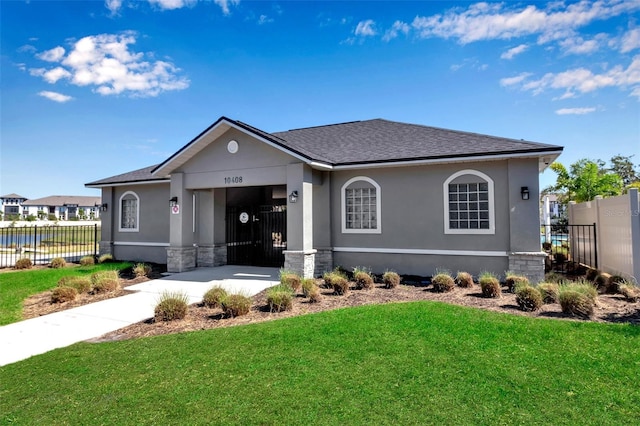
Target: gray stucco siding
(141, 254)
(412, 208)
(153, 218)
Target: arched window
(129, 212)
(361, 206)
(468, 203)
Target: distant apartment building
(55, 207)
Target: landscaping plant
(339, 284)
(63, 294)
(528, 298)
(443, 282)
(235, 305)
(82, 284)
(107, 257)
(171, 306)
(213, 297)
(142, 270)
(391, 279)
(630, 292)
(490, 285)
(308, 286)
(464, 279)
(105, 281)
(87, 261)
(549, 292)
(23, 263)
(362, 278)
(578, 299)
(280, 298)
(58, 262)
(514, 281)
(291, 279)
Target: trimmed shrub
(490, 285)
(171, 306)
(213, 297)
(443, 282)
(291, 279)
(24, 263)
(554, 277)
(308, 286)
(549, 292)
(87, 261)
(391, 279)
(63, 294)
(314, 295)
(630, 292)
(328, 277)
(464, 280)
(107, 257)
(362, 278)
(528, 298)
(141, 270)
(105, 281)
(578, 299)
(514, 282)
(600, 282)
(81, 284)
(592, 274)
(280, 298)
(235, 305)
(614, 283)
(58, 262)
(340, 285)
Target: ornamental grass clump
(442, 282)
(81, 284)
(235, 305)
(630, 292)
(105, 281)
(549, 292)
(514, 282)
(172, 305)
(614, 283)
(340, 285)
(58, 262)
(601, 283)
(214, 296)
(291, 279)
(528, 298)
(107, 257)
(314, 295)
(391, 279)
(87, 261)
(63, 294)
(464, 280)
(490, 285)
(308, 286)
(280, 298)
(362, 278)
(578, 299)
(554, 277)
(24, 263)
(141, 270)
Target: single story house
(377, 194)
(63, 207)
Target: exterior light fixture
(173, 202)
(293, 197)
(524, 192)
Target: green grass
(409, 363)
(16, 286)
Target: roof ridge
(324, 125)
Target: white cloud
(630, 41)
(396, 28)
(365, 28)
(27, 48)
(510, 81)
(575, 111)
(113, 5)
(52, 55)
(511, 53)
(224, 5)
(264, 19)
(579, 46)
(173, 4)
(583, 80)
(55, 96)
(105, 62)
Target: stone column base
(324, 261)
(529, 264)
(301, 262)
(220, 255)
(205, 256)
(180, 259)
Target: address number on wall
(232, 179)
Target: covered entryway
(256, 226)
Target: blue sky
(90, 89)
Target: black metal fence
(43, 243)
(569, 247)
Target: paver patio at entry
(35, 336)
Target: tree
(623, 167)
(584, 180)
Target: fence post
(595, 244)
(634, 213)
(35, 239)
(95, 240)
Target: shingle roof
(61, 200)
(375, 141)
(356, 143)
(139, 175)
(14, 196)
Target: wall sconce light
(524, 192)
(173, 202)
(293, 197)
(102, 207)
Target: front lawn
(405, 363)
(16, 286)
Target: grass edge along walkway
(403, 363)
(16, 286)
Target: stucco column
(526, 256)
(300, 255)
(181, 254)
(107, 222)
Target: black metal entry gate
(568, 246)
(256, 235)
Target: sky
(92, 89)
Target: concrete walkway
(35, 336)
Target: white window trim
(137, 228)
(445, 190)
(343, 194)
